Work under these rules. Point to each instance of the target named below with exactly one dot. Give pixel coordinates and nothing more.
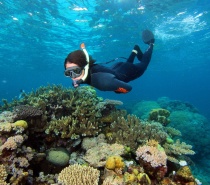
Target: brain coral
(79, 175)
(58, 156)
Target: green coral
(58, 156)
(160, 115)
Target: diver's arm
(108, 82)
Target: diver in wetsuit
(81, 68)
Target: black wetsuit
(115, 78)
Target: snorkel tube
(86, 68)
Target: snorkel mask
(73, 72)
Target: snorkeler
(81, 68)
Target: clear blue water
(36, 36)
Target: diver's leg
(135, 52)
(142, 66)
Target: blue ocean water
(36, 36)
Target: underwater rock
(58, 156)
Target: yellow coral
(185, 174)
(143, 178)
(110, 163)
(113, 162)
(21, 123)
(129, 178)
(78, 174)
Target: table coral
(77, 175)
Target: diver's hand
(75, 84)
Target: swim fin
(148, 37)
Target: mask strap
(86, 68)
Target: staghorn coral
(70, 127)
(172, 132)
(77, 175)
(132, 131)
(173, 150)
(3, 175)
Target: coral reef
(77, 175)
(54, 127)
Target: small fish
(22, 93)
(182, 163)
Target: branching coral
(176, 149)
(77, 175)
(132, 131)
(70, 127)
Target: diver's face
(75, 66)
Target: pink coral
(152, 155)
(12, 143)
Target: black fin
(148, 37)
